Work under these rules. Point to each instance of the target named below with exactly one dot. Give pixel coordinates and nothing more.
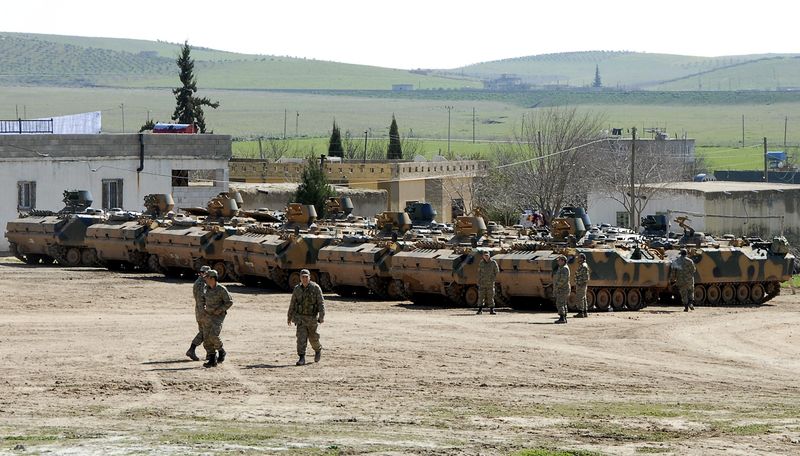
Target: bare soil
(92, 362)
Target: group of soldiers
(307, 306)
(212, 301)
(683, 267)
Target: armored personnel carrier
(361, 262)
(120, 242)
(191, 242)
(45, 236)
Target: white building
(718, 207)
(119, 170)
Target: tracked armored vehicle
(120, 242)
(361, 262)
(42, 237)
(191, 242)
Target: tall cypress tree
(335, 148)
(189, 108)
(395, 151)
(597, 81)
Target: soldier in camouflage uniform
(684, 274)
(487, 274)
(197, 292)
(216, 302)
(581, 286)
(561, 288)
(306, 310)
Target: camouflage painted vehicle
(45, 236)
(739, 271)
(361, 263)
(189, 243)
(445, 269)
(121, 241)
(274, 255)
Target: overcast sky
(425, 34)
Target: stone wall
(366, 202)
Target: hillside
(51, 60)
(634, 70)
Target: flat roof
(729, 186)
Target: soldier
(216, 302)
(487, 273)
(684, 274)
(197, 291)
(581, 285)
(306, 310)
(561, 288)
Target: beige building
(445, 184)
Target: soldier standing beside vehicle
(684, 274)
(197, 292)
(217, 301)
(581, 286)
(307, 310)
(487, 274)
(561, 288)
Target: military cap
(683, 252)
(204, 269)
(304, 272)
(212, 274)
(562, 257)
(582, 255)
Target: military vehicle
(45, 236)
(338, 208)
(120, 242)
(189, 243)
(276, 254)
(361, 262)
(422, 214)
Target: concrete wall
(366, 203)
(603, 209)
(81, 162)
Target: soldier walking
(487, 274)
(561, 288)
(684, 274)
(581, 286)
(217, 301)
(306, 310)
(197, 292)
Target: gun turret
(394, 221)
(158, 204)
(76, 201)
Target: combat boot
(317, 355)
(691, 305)
(301, 361)
(585, 314)
(211, 361)
(560, 320)
(480, 311)
(685, 308)
(191, 354)
(221, 355)
(492, 312)
(578, 315)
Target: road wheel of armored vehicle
(757, 293)
(572, 302)
(728, 294)
(280, 278)
(713, 295)
(773, 289)
(455, 293)
(395, 290)
(699, 295)
(30, 258)
(73, 257)
(618, 298)
(325, 281)
(634, 299)
(294, 280)
(742, 293)
(47, 260)
(88, 257)
(590, 298)
(471, 296)
(222, 271)
(602, 299)
(153, 264)
(500, 299)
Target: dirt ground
(93, 362)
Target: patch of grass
(652, 450)
(244, 437)
(729, 428)
(794, 282)
(557, 452)
(31, 438)
(620, 433)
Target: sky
(426, 34)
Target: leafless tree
(275, 149)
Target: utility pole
(766, 176)
(122, 107)
(148, 116)
(785, 127)
(473, 127)
(284, 123)
(366, 132)
(296, 125)
(742, 130)
(260, 148)
(633, 183)
(448, 130)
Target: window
(112, 193)
(26, 195)
(623, 219)
(180, 177)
